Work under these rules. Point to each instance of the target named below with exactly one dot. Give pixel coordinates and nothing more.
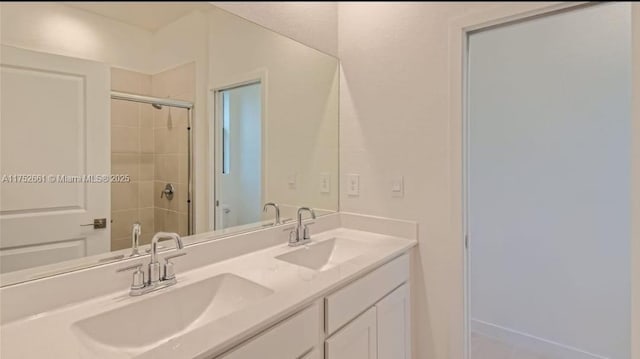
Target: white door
(394, 335)
(239, 156)
(54, 121)
(357, 340)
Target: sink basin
(324, 254)
(165, 314)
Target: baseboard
(531, 343)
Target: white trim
(530, 342)
(459, 29)
(635, 180)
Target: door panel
(55, 114)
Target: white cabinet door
(394, 332)
(357, 340)
(294, 338)
(55, 116)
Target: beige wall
(394, 121)
(312, 23)
(63, 30)
(131, 153)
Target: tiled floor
(483, 347)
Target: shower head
(156, 106)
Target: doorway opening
(238, 154)
(547, 163)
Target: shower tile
(183, 146)
(124, 113)
(124, 196)
(173, 137)
(146, 116)
(160, 140)
(122, 222)
(181, 80)
(146, 216)
(147, 164)
(126, 164)
(183, 168)
(120, 243)
(166, 168)
(130, 81)
(146, 192)
(182, 198)
(171, 221)
(159, 219)
(182, 224)
(147, 141)
(158, 202)
(124, 139)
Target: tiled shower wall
(152, 147)
(171, 147)
(132, 153)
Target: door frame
(215, 134)
(459, 30)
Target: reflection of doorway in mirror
(238, 177)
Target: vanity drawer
(295, 337)
(355, 298)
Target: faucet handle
(169, 272)
(138, 275)
(167, 258)
(133, 266)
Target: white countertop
(50, 334)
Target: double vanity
(343, 293)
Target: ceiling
(147, 15)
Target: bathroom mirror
(127, 118)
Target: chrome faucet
(158, 276)
(277, 208)
(135, 239)
(301, 231)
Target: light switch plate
(325, 183)
(292, 181)
(397, 186)
(353, 185)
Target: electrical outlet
(325, 183)
(353, 185)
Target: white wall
(314, 24)
(394, 120)
(549, 220)
(300, 107)
(63, 30)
